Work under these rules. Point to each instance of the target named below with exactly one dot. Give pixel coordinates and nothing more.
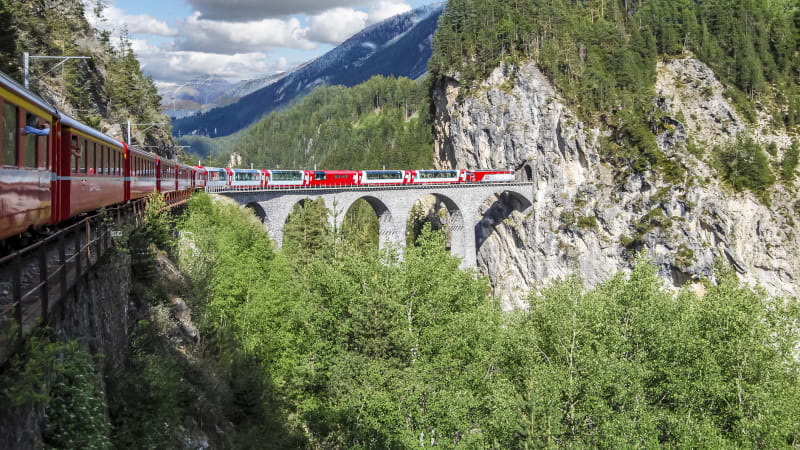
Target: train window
(29, 141)
(289, 175)
(383, 175)
(92, 159)
(9, 134)
(84, 156)
(107, 159)
(100, 161)
(43, 151)
(74, 152)
(30, 150)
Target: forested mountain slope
(669, 126)
(103, 92)
(381, 122)
(399, 46)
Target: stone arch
(457, 239)
(380, 208)
(496, 211)
(258, 210)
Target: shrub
(745, 166)
(789, 163)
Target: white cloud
(385, 9)
(336, 25)
(248, 10)
(198, 34)
(244, 45)
(171, 66)
(115, 20)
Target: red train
(266, 179)
(54, 167)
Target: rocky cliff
(586, 217)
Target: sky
(180, 40)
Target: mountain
(399, 46)
(183, 99)
(246, 87)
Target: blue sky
(179, 40)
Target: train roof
(28, 95)
(142, 152)
(89, 131)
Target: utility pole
(150, 125)
(26, 59)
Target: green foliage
(627, 364)
(25, 380)
(152, 396)
(75, 416)
(745, 166)
(685, 257)
(59, 376)
(354, 349)
(154, 233)
(360, 226)
(307, 229)
(789, 162)
(587, 222)
(8, 46)
(381, 122)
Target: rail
(55, 265)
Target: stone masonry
(392, 205)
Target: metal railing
(44, 273)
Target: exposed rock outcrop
(583, 220)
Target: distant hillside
(381, 122)
(400, 46)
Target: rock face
(98, 314)
(583, 219)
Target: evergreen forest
(601, 55)
(383, 122)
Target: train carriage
(322, 178)
(216, 177)
(185, 177)
(438, 176)
(491, 176)
(384, 177)
(96, 165)
(166, 174)
(140, 175)
(29, 193)
(199, 175)
(286, 178)
(245, 178)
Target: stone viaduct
(392, 205)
